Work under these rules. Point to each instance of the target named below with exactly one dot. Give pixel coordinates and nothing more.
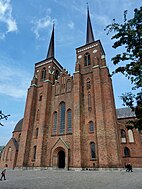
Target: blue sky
(25, 30)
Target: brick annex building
(71, 121)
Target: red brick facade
(70, 121)
(88, 94)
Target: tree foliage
(129, 62)
(3, 116)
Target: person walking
(3, 174)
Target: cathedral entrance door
(61, 159)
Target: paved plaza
(61, 179)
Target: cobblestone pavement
(61, 179)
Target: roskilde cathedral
(71, 122)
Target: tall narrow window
(43, 74)
(36, 133)
(87, 61)
(63, 82)
(37, 115)
(89, 102)
(126, 152)
(56, 74)
(131, 136)
(55, 122)
(69, 115)
(3, 155)
(68, 85)
(92, 148)
(88, 84)
(123, 136)
(91, 126)
(40, 97)
(34, 152)
(9, 154)
(57, 88)
(19, 136)
(62, 117)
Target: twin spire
(89, 36)
(50, 53)
(89, 33)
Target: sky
(25, 30)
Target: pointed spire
(51, 45)
(89, 34)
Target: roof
(18, 126)
(125, 113)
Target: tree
(3, 116)
(129, 36)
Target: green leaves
(129, 36)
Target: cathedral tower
(33, 144)
(95, 103)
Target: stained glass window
(69, 114)
(93, 153)
(91, 126)
(62, 117)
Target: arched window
(69, 118)
(43, 74)
(62, 117)
(91, 126)
(126, 152)
(55, 115)
(92, 148)
(123, 136)
(87, 61)
(130, 135)
(34, 152)
(88, 84)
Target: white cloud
(41, 24)
(13, 81)
(102, 19)
(7, 18)
(71, 25)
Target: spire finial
(50, 53)
(89, 34)
(87, 5)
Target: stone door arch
(60, 155)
